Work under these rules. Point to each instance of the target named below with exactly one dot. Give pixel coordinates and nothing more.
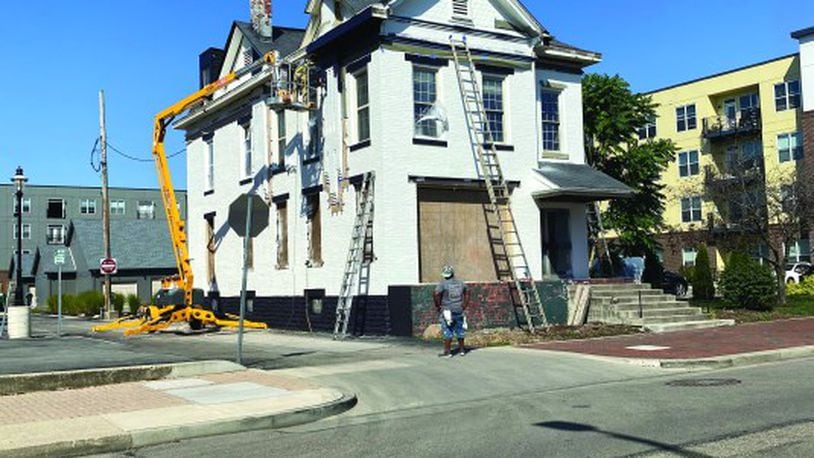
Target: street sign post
(248, 216)
(59, 260)
(108, 266)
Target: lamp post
(18, 313)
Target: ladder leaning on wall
(481, 137)
(355, 273)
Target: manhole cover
(702, 382)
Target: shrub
(133, 303)
(90, 302)
(653, 271)
(68, 304)
(747, 284)
(804, 288)
(117, 302)
(702, 286)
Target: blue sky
(57, 55)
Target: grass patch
(497, 337)
(796, 306)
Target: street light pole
(18, 314)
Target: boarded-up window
(314, 231)
(282, 235)
(457, 227)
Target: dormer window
(460, 9)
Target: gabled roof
(47, 260)
(139, 244)
(30, 264)
(284, 39)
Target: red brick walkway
(702, 343)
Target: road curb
(742, 359)
(145, 438)
(64, 380)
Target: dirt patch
(505, 336)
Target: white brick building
(383, 65)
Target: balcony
(744, 173)
(745, 122)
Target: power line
(139, 159)
(95, 168)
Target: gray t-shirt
(452, 295)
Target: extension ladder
(596, 233)
(508, 239)
(354, 268)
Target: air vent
(460, 9)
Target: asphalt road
(505, 402)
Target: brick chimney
(261, 17)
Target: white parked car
(796, 272)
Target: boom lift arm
(156, 317)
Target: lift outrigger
(171, 308)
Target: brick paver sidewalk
(116, 417)
(702, 343)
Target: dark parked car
(675, 284)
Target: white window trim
(86, 210)
(25, 200)
(26, 228)
(62, 233)
(209, 171)
(435, 71)
(503, 94)
(558, 92)
(123, 207)
(686, 254)
(246, 150)
(700, 208)
(789, 135)
(64, 206)
(357, 108)
(686, 117)
(689, 164)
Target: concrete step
(655, 306)
(616, 292)
(674, 319)
(618, 300)
(655, 313)
(687, 325)
(620, 287)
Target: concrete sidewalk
(702, 348)
(130, 415)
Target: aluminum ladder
(508, 239)
(356, 254)
(596, 233)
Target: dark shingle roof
(48, 251)
(580, 180)
(29, 260)
(139, 244)
(284, 39)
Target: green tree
(612, 116)
(702, 284)
(747, 284)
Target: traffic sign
(237, 215)
(108, 266)
(59, 257)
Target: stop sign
(108, 266)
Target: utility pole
(105, 203)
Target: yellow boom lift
(171, 307)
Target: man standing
(451, 300)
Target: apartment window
(685, 118)
(281, 138)
(362, 107)
(145, 210)
(210, 165)
(551, 120)
(246, 148)
(493, 104)
(688, 164)
(282, 235)
(790, 147)
(55, 234)
(460, 9)
(799, 251)
(648, 130)
(56, 209)
(749, 101)
(87, 206)
(314, 231)
(688, 257)
(26, 205)
(26, 231)
(787, 95)
(118, 207)
(424, 98)
(691, 209)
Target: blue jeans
(456, 329)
